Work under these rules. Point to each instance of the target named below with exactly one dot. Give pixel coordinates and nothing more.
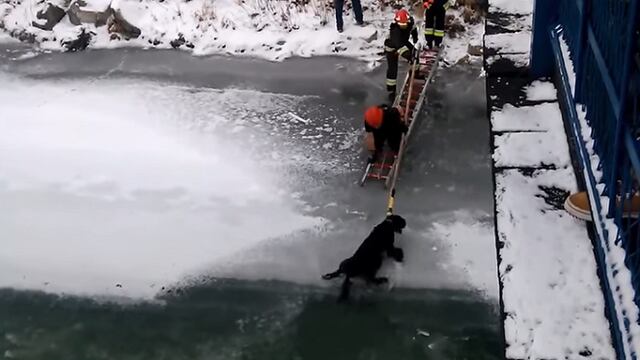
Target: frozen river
(220, 190)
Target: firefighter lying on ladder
(434, 16)
(397, 45)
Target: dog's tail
(332, 275)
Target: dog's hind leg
(344, 291)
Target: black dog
(367, 260)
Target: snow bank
(272, 30)
(509, 43)
(107, 189)
(617, 272)
(541, 91)
(543, 117)
(520, 7)
(552, 299)
(531, 149)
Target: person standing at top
(397, 45)
(357, 11)
(434, 17)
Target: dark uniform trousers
(393, 55)
(434, 18)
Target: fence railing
(603, 37)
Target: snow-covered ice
(105, 183)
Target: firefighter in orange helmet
(386, 124)
(398, 44)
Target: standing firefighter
(386, 125)
(434, 16)
(396, 45)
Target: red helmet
(402, 17)
(373, 116)
(427, 3)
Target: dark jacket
(379, 241)
(391, 122)
(437, 3)
(399, 37)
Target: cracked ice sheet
(552, 300)
(543, 117)
(518, 42)
(511, 6)
(531, 149)
(96, 174)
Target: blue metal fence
(604, 41)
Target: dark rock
(475, 50)
(118, 24)
(77, 15)
(281, 42)
(176, 43)
(79, 44)
(190, 45)
(52, 14)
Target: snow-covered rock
(270, 29)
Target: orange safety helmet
(402, 17)
(373, 116)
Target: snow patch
(531, 149)
(509, 43)
(518, 60)
(552, 299)
(542, 117)
(523, 7)
(541, 91)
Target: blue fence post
(544, 15)
(623, 96)
(583, 6)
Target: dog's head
(397, 222)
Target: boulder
(471, 16)
(118, 24)
(372, 38)
(81, 13)
(79, 44)
(52, 15)
(474, 50)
